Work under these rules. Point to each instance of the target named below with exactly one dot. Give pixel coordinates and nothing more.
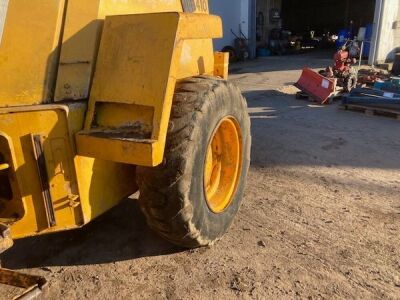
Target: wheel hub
(223, 165)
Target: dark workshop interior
(291, 26)
(326, 15)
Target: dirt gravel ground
(320, 218)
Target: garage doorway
(309, 24)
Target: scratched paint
(186, 56)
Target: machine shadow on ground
(120, 234)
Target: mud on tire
(172, 195)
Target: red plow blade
(316, 86)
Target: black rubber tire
(172, 194)
(350, 83)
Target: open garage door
(293, 24)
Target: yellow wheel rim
(223, 165)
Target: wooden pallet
(305, 96)
(373, 111)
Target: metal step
(118, 146)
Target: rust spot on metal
(136, 130)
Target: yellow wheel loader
(102, 98)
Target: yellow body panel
(49, 51)
(102, 185)
(221, 65)
(36, 31)
(29, 51)
(125, 76)
(52, 126)
(81, 188)
(83, 26)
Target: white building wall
(386, 37)
(234, 14)
(244, 17)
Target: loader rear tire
(192, 198)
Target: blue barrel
(263, 52)
(343, 36)
(368, 38)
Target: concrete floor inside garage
(320, 218)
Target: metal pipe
(361, 53)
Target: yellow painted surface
(102, 185)
(142, 56)
(221, 65)
(223, 165)
(130, 72)
(39, 63)
(80, 41)
(81, 188)
(116, 149)
(28, 51)
(83, 25)
(52, 126)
